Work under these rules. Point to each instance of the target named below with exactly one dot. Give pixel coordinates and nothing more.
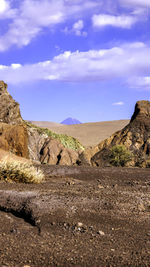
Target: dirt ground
(77, 217)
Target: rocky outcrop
(9, 108)
(25, 140)
(35, 143)
(135, 137)
(13, 132)
(14, 138)
(54, 153)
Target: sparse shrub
(119, 156)
(67, 141)
(19, 172)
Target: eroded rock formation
(135, 136)
(26, 141)
(9, 108)
(13, 133)
(54, 153)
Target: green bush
(19, 172)
(119, 156)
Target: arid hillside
(29, 141)
(89, 134)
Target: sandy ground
(77, 217)
(89, 134)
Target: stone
(100, 186)
(101, 233)
(79, 224)
(141, 207)
(54, 153)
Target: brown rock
(9, 108)
(51, 151)
(68, 157)
(14, 138)
(135, 136)
(54, 153)
(27, 141)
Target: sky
(86, 59)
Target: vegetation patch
(119, 156)
(67, 141)
(19, 172)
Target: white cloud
(140, 83)
(123, 62)
(122, 21)
(79, 25)
(32, 16)
(3, 6)
(15, 66)
(140, 8)
(5, 10)
(118, 103)
(76, 29)
(135, 3)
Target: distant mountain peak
(70, 121)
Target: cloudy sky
(87, 59)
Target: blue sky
(87, 59)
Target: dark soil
(77, 217)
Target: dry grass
(19, 172)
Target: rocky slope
(135, 137)
(29, 141)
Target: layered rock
(135, 137)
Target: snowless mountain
(70, 121)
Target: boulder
(54, 153)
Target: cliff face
(9, 108)
(13, 133)
(135, 137)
